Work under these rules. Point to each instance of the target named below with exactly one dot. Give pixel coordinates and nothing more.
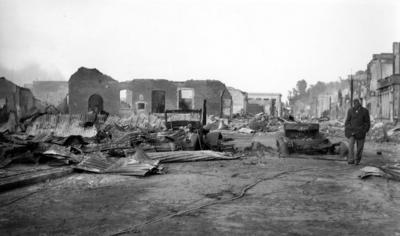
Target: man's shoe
(350, 162)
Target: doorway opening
(158, 101)
(95, 103)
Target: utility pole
(316, 106)
(351, 90)
(204, 112)
(330, 112)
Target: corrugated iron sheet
(138, 164)
(94, 162)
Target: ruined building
(378, 88)
(389, 89)
(158, 95)
(17, 100)
(89, 88)
(380, 67)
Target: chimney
(396, 58)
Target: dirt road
(292, 197)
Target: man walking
(356, 127)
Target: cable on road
(135, 228)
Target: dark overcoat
(357, 123)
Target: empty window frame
(185, 98)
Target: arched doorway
(95, 101)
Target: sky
(252, 45)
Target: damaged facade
(380, 67)
(150, 95)
(156, 96)
(389, 89)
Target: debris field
(174, 174)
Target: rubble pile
(247, 123)
(258, 149)
(394, 133)
(137, 145)
(240, 121)
(332, 128)
(384, 132)
(377, 132)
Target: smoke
(29, 73)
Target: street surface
(249, 196)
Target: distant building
(239, 101)
(322, 105)
(360, 86)
(300, 109)
(269, 103)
